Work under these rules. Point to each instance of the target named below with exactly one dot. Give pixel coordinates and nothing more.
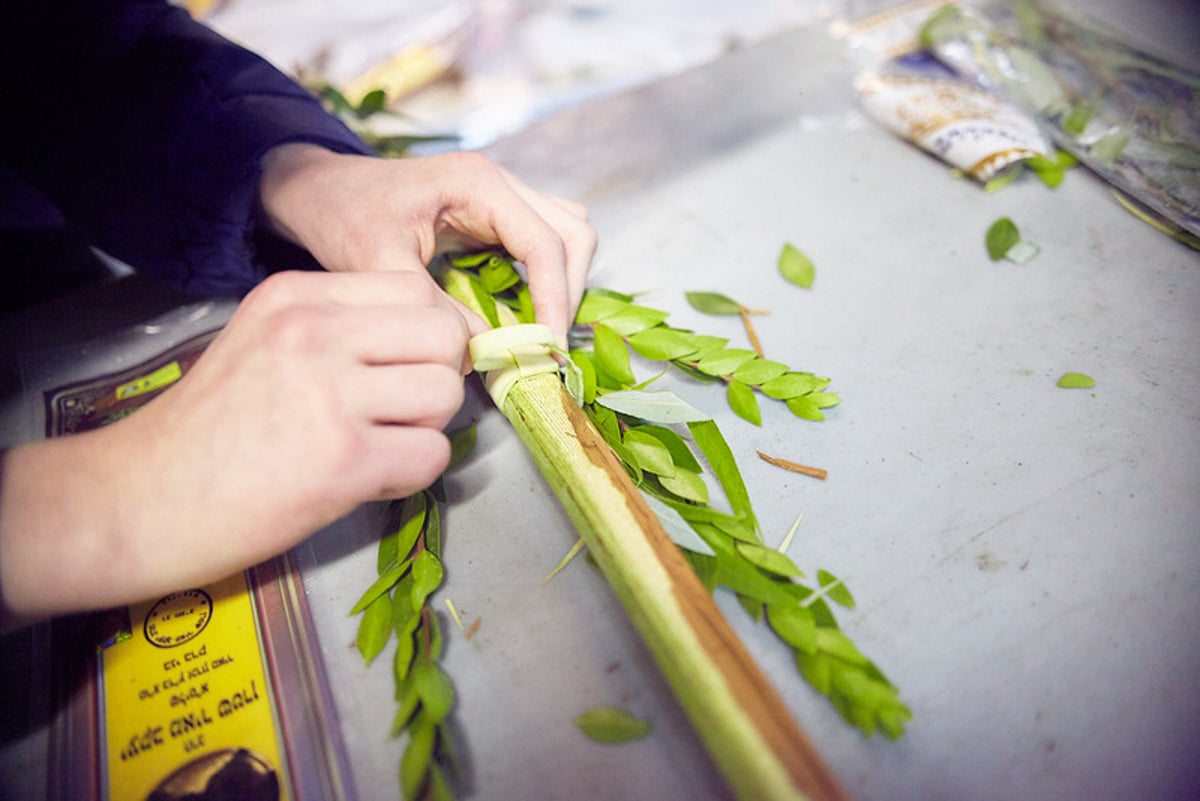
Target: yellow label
(187, 704)
(167, 374)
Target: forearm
(60, 541)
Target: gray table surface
(1026, 559)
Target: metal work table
(1026, 559)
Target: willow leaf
(833, 589)
(654, 407)
(720, 458)
(677, 528)
(795, 625)
(769, 560)
(739, 575)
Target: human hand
(322, 392)
(358, 213)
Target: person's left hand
(355, 213)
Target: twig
(803, 469)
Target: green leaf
(373, 102)
(435, 690)
(651, 454)
(484, 300)
(596, 306)
(1076, 381)
(791, 385)
(406, 647)
(433, 526)
(427, 576)
(681, 454)
(396, 545)
(724, 361)
(805, 407)
(402, 607)
(744, 402)
(824, 400)
(606, 724)
(686, 485)
(1076, 120)
(796, 267)
(634, 319)
(611, 354)
(498, 275)
(795, 625)
(769, 559)
(817, 670)
(462, 442)
(759, 371)
(677, 528)
(439, 789)
(832, 641)
(713, 303)
(739, 575)
(418, 754)
(587, 370)
(381, 585)
(654, 407)
(714, 447)
(1001, 236)
(834, 589)
(406, 703)
(375, 628)
(662, 343)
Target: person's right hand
(323, 391)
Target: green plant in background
(358, 117)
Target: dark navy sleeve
(148, 129)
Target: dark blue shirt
(146, 130)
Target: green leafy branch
(358, 116)
(725, 548)
(397, 604)
(619, 325)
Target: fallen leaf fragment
(1076, 381)
(607, 724)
